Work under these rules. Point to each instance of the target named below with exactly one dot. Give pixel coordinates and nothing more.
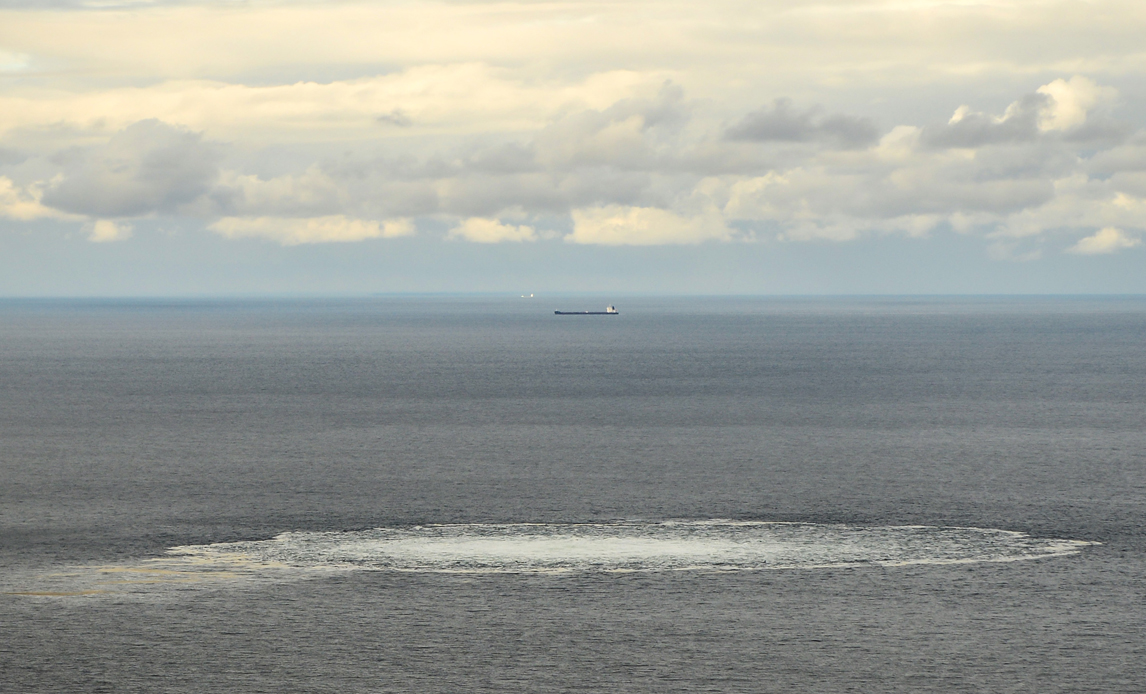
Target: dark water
(128, 428)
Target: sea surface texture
(427, 494)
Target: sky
(161, 148)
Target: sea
(472, 494)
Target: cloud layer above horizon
(632, 123)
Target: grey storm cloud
(149, 166)
(784, 123)
(1019, 124)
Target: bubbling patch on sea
(563, 548)
(710, 545)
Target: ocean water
(472, 494)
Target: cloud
(967, 128)
(397, 117)
(1105, 241)
(23, 203)
(784, 123)
(1078, 203)
(147, 167)
(1071, 101)
(727, 48)
(11, 156)
(877, 189)
(1060, 106)
(617, 225)
(293, 231)
(106, 230)
(624, 135)
(482, 230)
(313, 193)
(435, 98)
(646, 169)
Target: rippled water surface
(440, 495)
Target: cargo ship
(610, 310)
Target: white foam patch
(666, 546)
(518, 548)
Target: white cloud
(1078, 203)
(477, 67)
(23, 203)
(617, 225)
(442, 99)
(1108, 240)
(106, 230)
(1072, 101)
(481, 230)
(329, 229)
(310, 194)
(720, 43)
